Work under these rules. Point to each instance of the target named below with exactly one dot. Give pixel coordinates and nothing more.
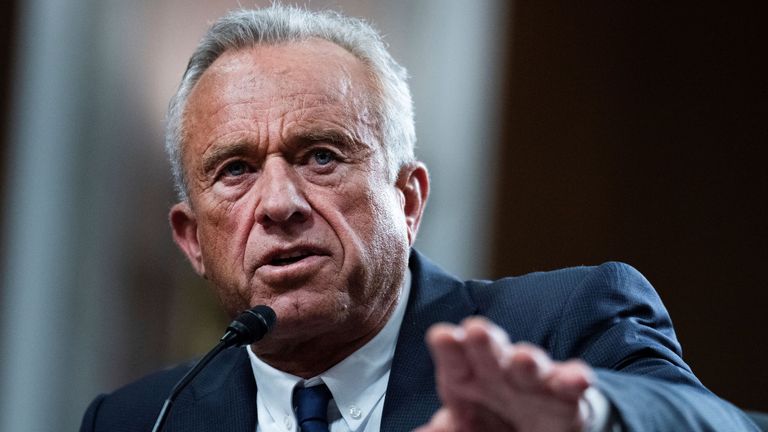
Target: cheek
(223, 232)
(223, 254)
(387, 206)
(379, 223)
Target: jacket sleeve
(615, 321)
(89, 419)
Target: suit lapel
(222, 397)
(411, 397)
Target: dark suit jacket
(609, 316)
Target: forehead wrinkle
(199, 117)
(280, 120)
(222, 138)
(275, 108)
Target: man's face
(290, 204)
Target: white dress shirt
(358, 383)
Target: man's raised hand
(487, 383)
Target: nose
(282, 200)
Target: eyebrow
(213, 158)
(330, 135)
(324, 135)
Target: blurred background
(557, 133)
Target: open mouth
(284, 260)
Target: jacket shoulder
(135, 406)
(553, 283)
(530, 306)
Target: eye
(323, 157)
(235, 169)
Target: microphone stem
(185, 380)
(249, 327)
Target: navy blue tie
(312, 408)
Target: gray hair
(238, 29)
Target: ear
(413, 183)
(184, 227)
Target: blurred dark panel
(7, 40)
(7, 30)
(637, 131)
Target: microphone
(247, 328)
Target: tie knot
(312, 408)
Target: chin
(300, 309)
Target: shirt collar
(357, 383)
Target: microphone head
(250, 326)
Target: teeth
(291, 255)
(289, 258)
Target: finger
(444, 342)
(527, 367)
(485, 348)
(569, 380)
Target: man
(291, 140)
